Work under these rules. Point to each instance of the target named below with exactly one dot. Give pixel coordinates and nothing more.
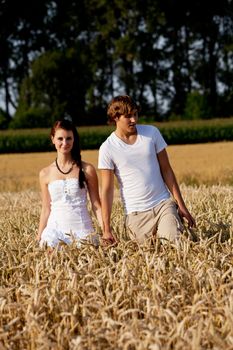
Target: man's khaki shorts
(162, 221)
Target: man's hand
(184, 213)
(108, 239)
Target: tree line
(70, 57)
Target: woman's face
(63, 140)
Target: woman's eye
(59, 138)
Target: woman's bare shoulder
(45, 173)
(88, 168)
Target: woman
(64, 186)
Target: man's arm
(107, 183)
(171, 182)
(93, 190)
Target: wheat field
(127, 297)
(210, 163)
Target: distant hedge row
(24, 142)
(197, 134)
(91, 138)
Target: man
(137, 155)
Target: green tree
(57, 84)
(21, 37)
(73, 56)
(196, 106)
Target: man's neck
(129, 138)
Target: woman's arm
(171, 182)
(46, 206)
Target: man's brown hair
(121, 105)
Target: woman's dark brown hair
(76, 151)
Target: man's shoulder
(147, 129)
(107, 143)
(106, 154)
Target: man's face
(128, 122)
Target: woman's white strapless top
(69, 217)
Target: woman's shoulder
(90, 176)
(88, 168)
(45, 173)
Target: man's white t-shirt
(136, 167)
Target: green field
(175, 133)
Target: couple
(137, 155)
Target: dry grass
(209, 163)
(127, 297)
(193, 164)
